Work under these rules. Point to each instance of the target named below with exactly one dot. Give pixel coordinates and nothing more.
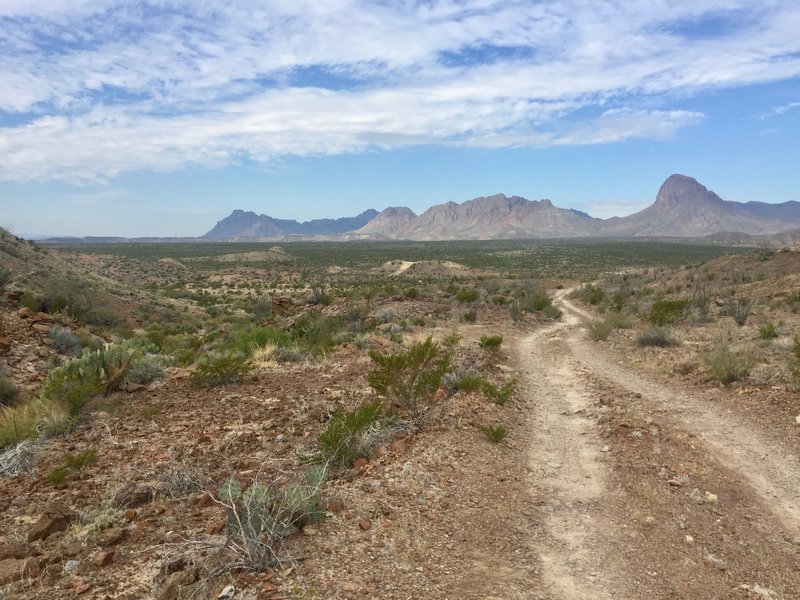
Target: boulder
(56, 518)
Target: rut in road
(581, 512)
(771, 469)
(565, 456)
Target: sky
(145, 118)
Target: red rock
(360, 464)
(103, 558)
(365, 524)
(215, 526)
(42, 328)
(14, 551)
(56, 518)
(130, 515)
(5, 345)
(440, 395)
(24, 312)
(80, 587)
(13, 569)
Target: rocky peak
(680, 190)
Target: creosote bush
(768, 331)
(494, 433)
(490, 342)
(599, 329)
(667, 312)
(221, 369)
(409, 378)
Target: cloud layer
(90, 89)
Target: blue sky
(159, 118)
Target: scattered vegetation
(410, 378)
(727, 363)
(490, 342)
(660, 337)
(667, 312)
(352, 435)
(494, 433)
(221, 369)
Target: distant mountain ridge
(247, 224)
(683, 208)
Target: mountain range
(683, 208)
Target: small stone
(308, 530)
(605, 449)
(349, 586)
(675, 483)
(56, 518)
(81, 586)
(227, 593)
(130, 515)
(360, 464)
(365, 524)
(215, 526)
(717, 562)
(710, 498)
(103, 558)
(689, 539)
(797, 419)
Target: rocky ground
(623, 475)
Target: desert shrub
(552, 312)
(25, 420)
(261, 515)
(490, 342)
(768, 331)
(619, 320)
(289, 354)
(739, 309)
(470, 316)
(319, 293)
(467, 296)
(261, 307)
(451, 340)
(499, 300)
(410, 377)
(245, 341)
(64, 341)
(411, 293)
(147, 369)
(5, 278)
(315, 334)
(666, 312)
(497, 395)
(590, 294)
(9, 393)
(599, 329)
(347, 435)
(221, 369)
(656, 336)
(470, 383)
(72, 463)
(494, 433)
(356, 316)
(386, 315)
(726, 363)
(794, 361)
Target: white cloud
(109, 87)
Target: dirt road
(652, 491)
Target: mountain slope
(686, 208)
(497, 217)
(247, 224)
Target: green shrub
(470, 383)
(467, 296)
(221, 369)
(728, 364)
(5, 278)
(590, 294)
(315, 334)
(9, 393)
(497, 395)
(490, 342)
(494, 433)
(794, 362)
(619, 320)
(599, 330)
(244, 341)
(499, 300)
(346, 436)
(409, 378)
(72, 463)
(768, 331)
(739, 309)
(657, 336)
(470, 316)
(666, 312)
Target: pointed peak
(681, 189)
